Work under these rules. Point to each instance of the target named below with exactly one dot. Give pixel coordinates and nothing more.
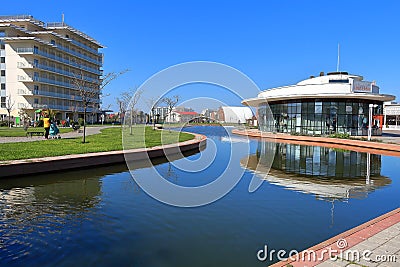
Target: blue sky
(275, 43)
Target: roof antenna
(338, 57)
(62, 18)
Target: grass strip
(110, 139)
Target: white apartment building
(39, 62)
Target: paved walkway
(390, 136)
(89, 131)
(374, 243)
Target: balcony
(85, 47)
(48, 81)
(79, 55)
(62, 107)
(75, 42)
(24, 78)
(50, 94)
(32, 65)
(25, 50)
(31, 50)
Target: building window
(3, 73)
(3, 102)
(2, 34)
(36, 101)
(3, 86)
(2, 60)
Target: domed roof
(333, 85)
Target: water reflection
(325, 172)
(46, 211)
(34, 212)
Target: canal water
(100, 217)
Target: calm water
(101, 217)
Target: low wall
(76, 161)
(348, 144)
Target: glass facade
(320, 116)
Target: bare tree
(23, 114)
(171, 103)
(122, 109)
(90, 91)
(75, 110)
(95, 110)
(128, 101)
(9, 106)
(103, 113)
(152, 103)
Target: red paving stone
(353, 237)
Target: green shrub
(340, 135)
(80, 121)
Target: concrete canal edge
(346, 144)
(353, 237)
(91, 160)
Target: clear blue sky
(275, 43)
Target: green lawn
(110, 139)
(19, 131)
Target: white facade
(181, 116)
(161, 112)
(40, 61)
(328, 86)
(236, 114)
(391, 111)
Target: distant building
(182, 116)
(183, 109)
(39, 62)
(391, 113)
(207, 112)
(234, 114)
(161, 112)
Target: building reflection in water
(328, 173)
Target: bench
(34, 133)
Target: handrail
(55, 70)
(57, 58)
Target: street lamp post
(371, 106)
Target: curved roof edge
(254, 102)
